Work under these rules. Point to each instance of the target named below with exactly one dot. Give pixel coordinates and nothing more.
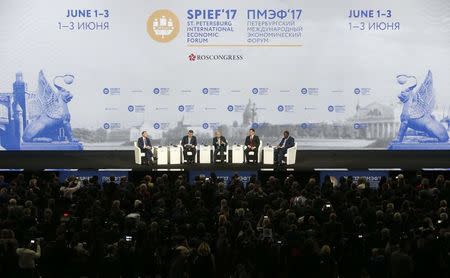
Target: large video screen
(348, 74)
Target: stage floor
(306, 160)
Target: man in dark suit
(189, 143)
(146, 147)
(220, 146)
(286, 142)
(252, 143)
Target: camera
(327, 207)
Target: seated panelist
(146, 147)
(220, 146)
(189, 143)
(286, 142)
(252, 144)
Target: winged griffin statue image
(417, 110)
(53, 118)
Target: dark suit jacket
(141, 142)
(185, 141)
(256, 141)
(216, 142)
(289, 143)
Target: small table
(268, 154)
(163, 155)
(204, 154)
(175, 154)
(237, 152)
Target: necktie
(251, 141)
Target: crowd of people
(162, 226)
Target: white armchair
(291, 155)
(260, 151)
(138, 154)
(237, 154)
(162, 153)
(175, 153)
(204, 155)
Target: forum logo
(163, 26)
(192, 57)
(215, 57)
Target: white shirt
(284, 143)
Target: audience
(156, 227)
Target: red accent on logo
(192, 57)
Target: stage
(307, 160)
